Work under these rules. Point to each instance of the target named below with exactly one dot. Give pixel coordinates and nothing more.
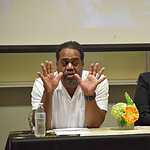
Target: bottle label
(40, 115)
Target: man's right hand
(48, 78)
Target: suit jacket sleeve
(142, 99)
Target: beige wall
(148, 61)
(17, 67)
(13, 118)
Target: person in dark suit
(142, 99)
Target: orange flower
(131, 114)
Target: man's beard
(69, 81)
(72, 82)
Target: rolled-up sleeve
(37, 93)
(102, 94)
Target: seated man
(142, 99)
(72, 97)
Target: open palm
(48, 78)
(92, 81)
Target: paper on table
(67, 131)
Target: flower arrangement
(125, 113)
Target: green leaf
(122, 122)
(128, 98)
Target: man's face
(69, 63)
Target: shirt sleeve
(37, 93)
(102, 94)
(141, 99)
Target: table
(98, 139)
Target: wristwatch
(90, 98)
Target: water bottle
(40, 120)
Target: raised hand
(48, 78)
(92, 81)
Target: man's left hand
(92, 81)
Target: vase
(123, 125)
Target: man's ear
(57, 65)
(83, 64)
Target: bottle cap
(40, 103)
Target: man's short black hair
(72, 45)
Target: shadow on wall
(117, 93)
(19, 96)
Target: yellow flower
(131, 114)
